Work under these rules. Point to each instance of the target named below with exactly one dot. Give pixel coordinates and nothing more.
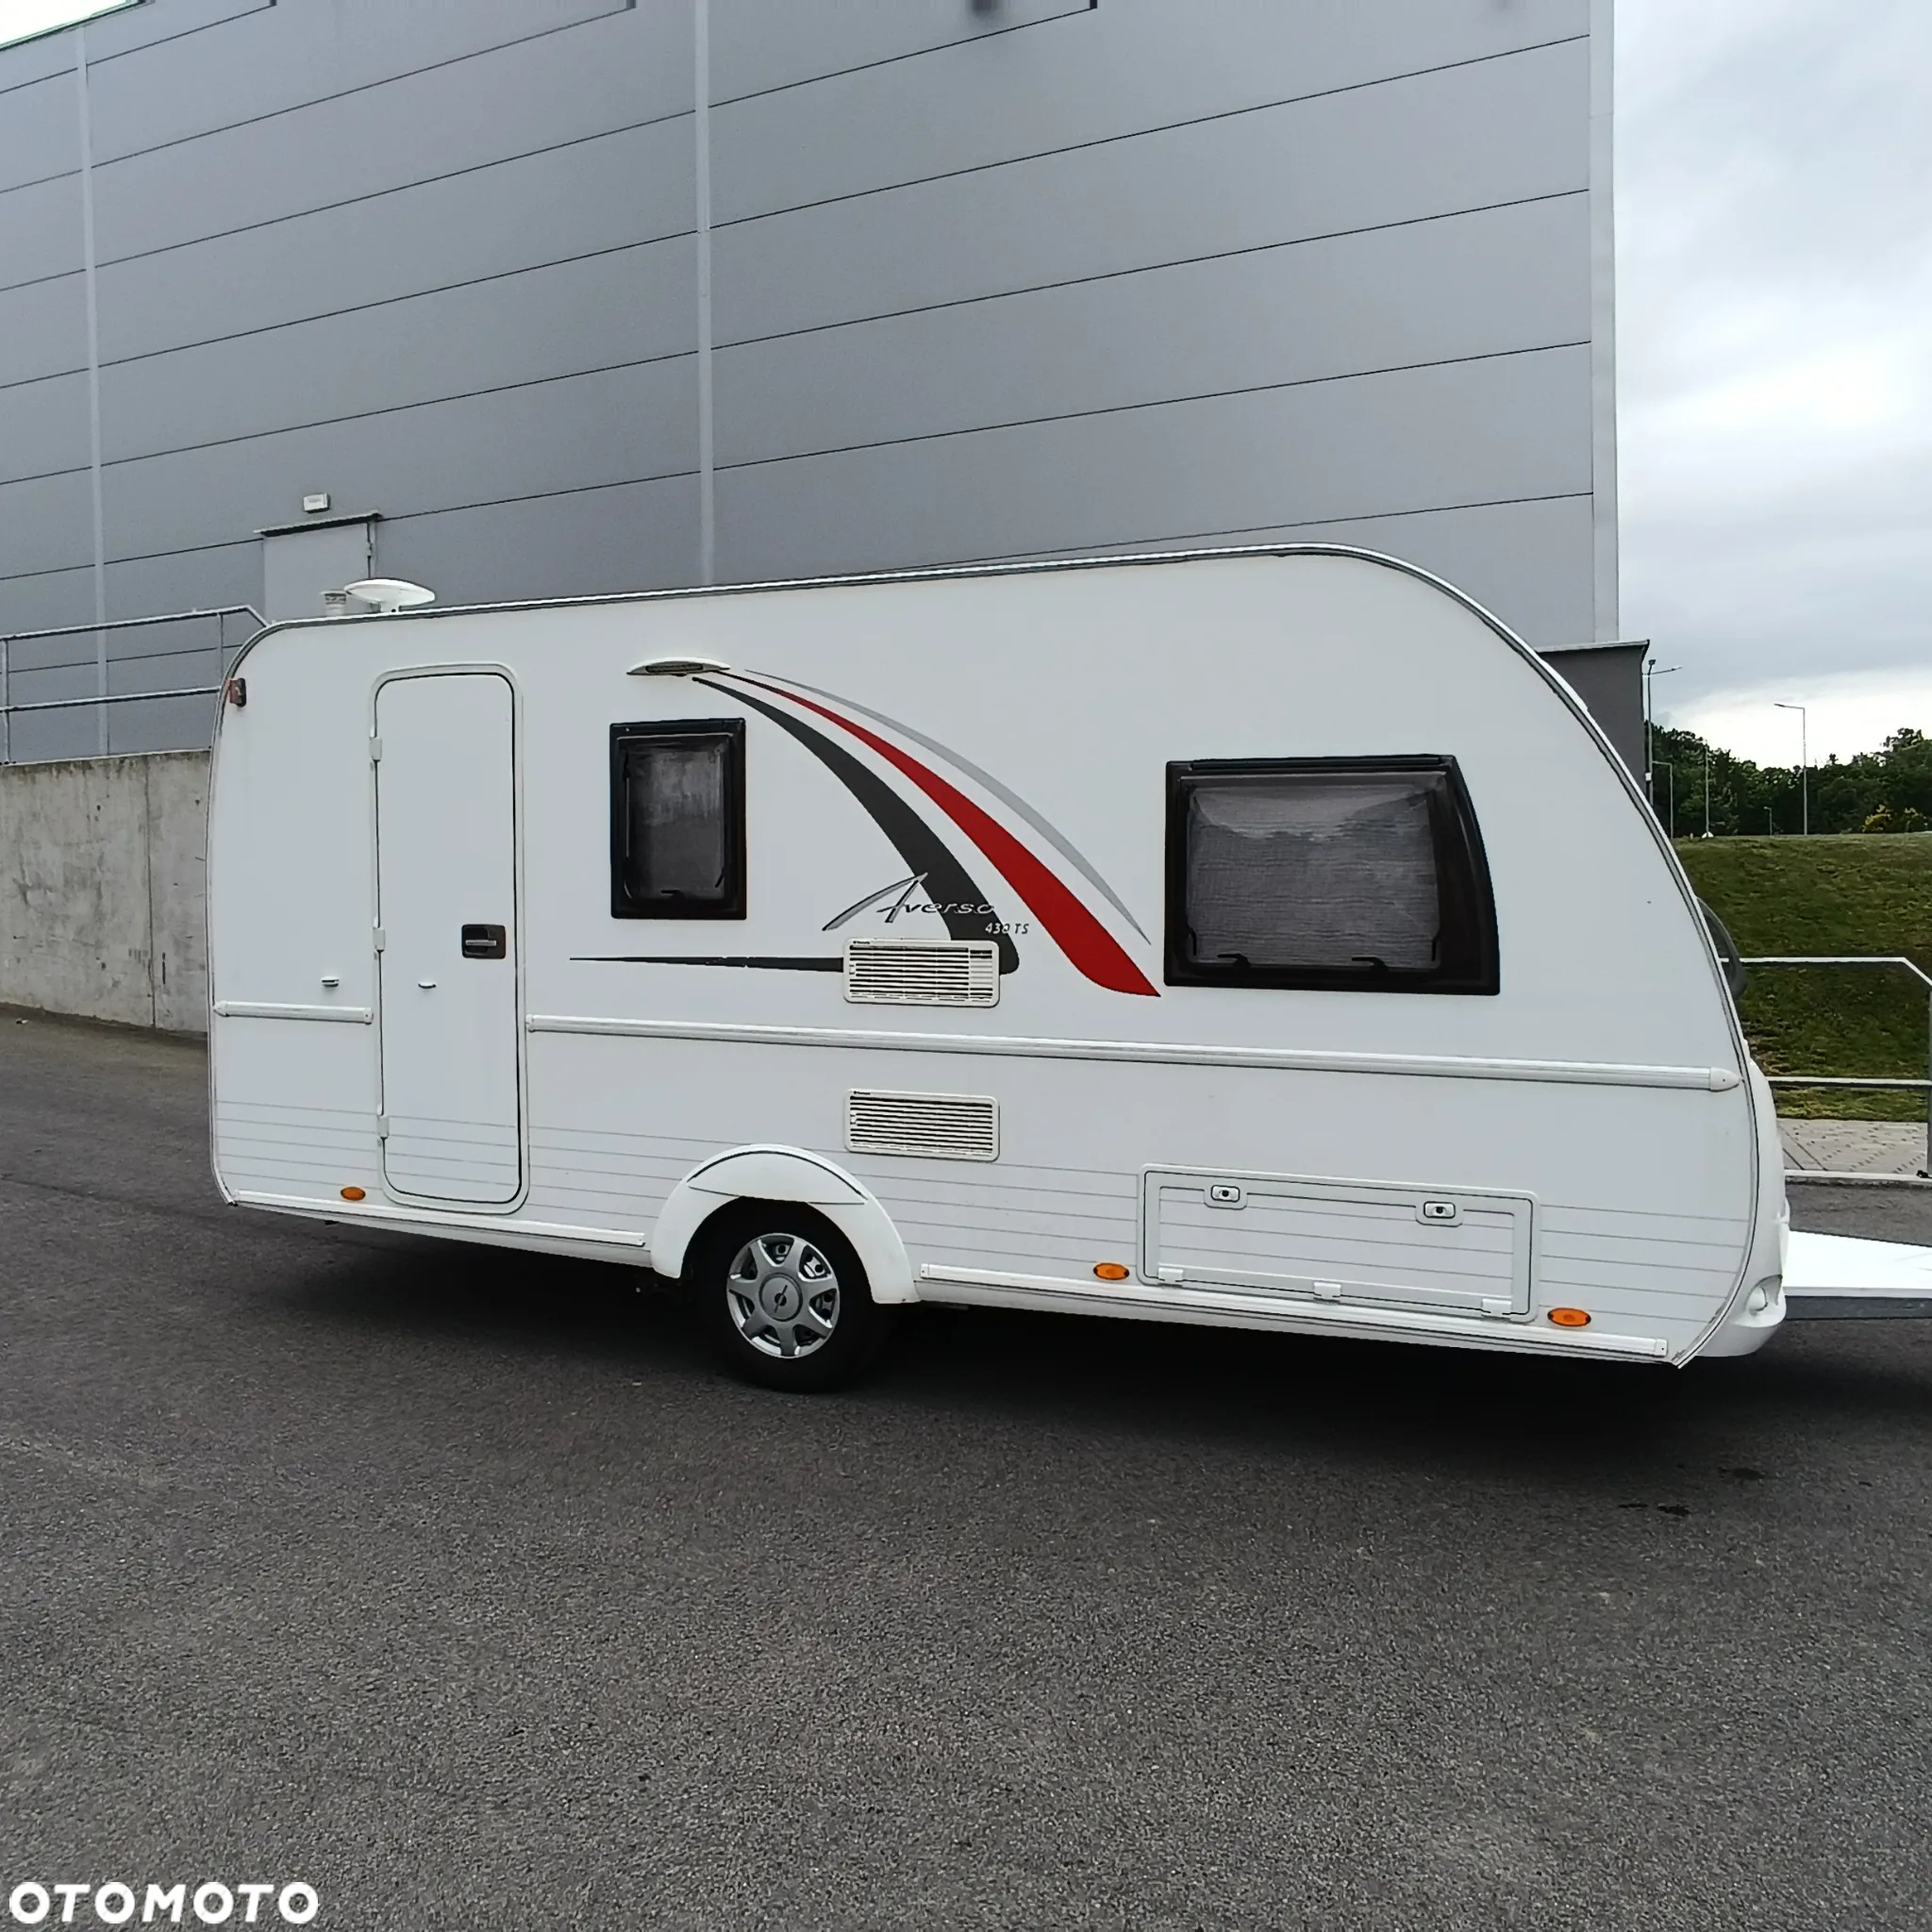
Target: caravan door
(446, 936)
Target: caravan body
(1258, 939)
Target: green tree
(1885, 791)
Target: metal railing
(9, 711)
(1829, 1080)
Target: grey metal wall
(583, 295)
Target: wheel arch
(778, 1174)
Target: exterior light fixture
(677, 667)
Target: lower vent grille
(940, 1126)
(922, 973)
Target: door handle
(486, 942)
(428, 985)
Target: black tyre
(784, 1298)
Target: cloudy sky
(1774, 350)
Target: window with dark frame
(677, 819)
(1359, 874)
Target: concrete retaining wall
(103, 885)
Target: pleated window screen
(1327, 874)
(677, 820)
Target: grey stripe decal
(1010, 800)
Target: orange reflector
(1111, 1271)
(357, 1194)
(1570, 1318)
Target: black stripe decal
(770, 965)
(947, 882)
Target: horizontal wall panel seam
(1144, 133)
(1168, 538)
(1257, 389)
(59, 274)
(498, 389)
(51, 375)
(403, 187)
(998, 33)
(1106, 547)
(390, 519)
(41, 180)
(347, 93)
(187, 33)
(57, 78)
(47, 476)
(207, 650)
(503, 274)
(1147, 268)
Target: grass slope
(1846, 895)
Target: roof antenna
(391, 594)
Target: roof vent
(940, 1126)
(922, 973)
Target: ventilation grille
(922, 973)
(941, 1127)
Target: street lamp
(1650, 672)
(1804, 762)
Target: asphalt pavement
(455, 1584)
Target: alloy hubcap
(783, 1296)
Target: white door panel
(446, 791)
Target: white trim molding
(1157, 1053)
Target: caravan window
(677, 819)
(1358, 874)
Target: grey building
(549, 297)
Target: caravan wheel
(785, 1298)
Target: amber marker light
(357, 1194)
(1570, 1318)
(1111, 1271)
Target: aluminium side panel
(345, 145)
(1403, 441)
(1527, 561)
(1501, 282)
(1074, 80)
(1412, 149)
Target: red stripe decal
(1081, 936)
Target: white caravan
(1264, 939)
